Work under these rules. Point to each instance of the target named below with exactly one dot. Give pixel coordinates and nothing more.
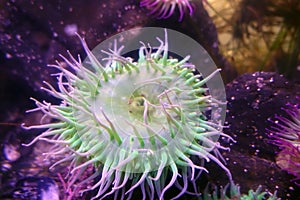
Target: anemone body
(165, 8)
(286, 135)
(139, 123)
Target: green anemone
(135, 122)
(232, 191)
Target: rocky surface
(33, 33)
(253, 101)
(36, 188)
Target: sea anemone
(232, 191)
(165, 8)
(135, 122)
(286, 135)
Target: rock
(36, 188)
(32, 34)
(254, 99)
(11, 152)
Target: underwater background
(256, 43)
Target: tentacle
(185, 184)
(172, 181)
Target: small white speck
(8, 55)
(71, 29)
(18, 37)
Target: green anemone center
(144, 103)
(135, 102)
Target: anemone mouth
(132, 120)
